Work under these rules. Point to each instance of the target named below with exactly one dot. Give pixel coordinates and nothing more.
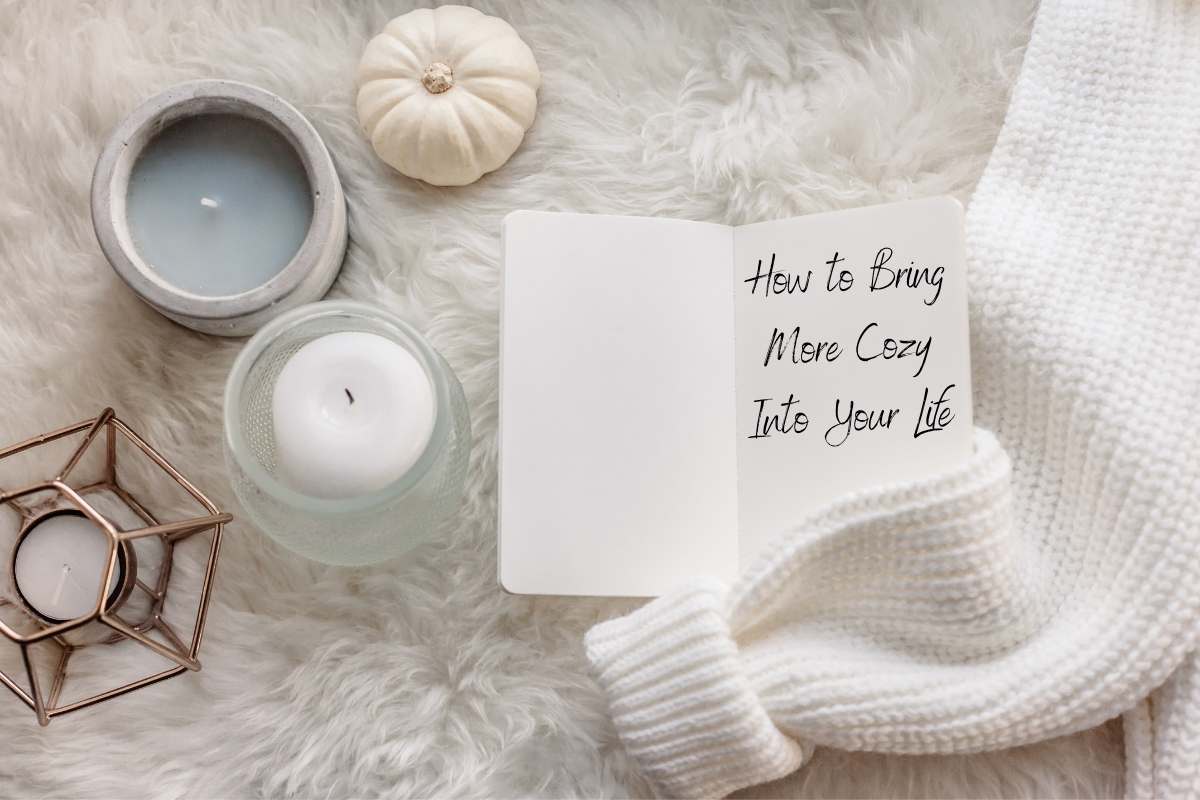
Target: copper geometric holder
(51, 654)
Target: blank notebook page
(618, 463)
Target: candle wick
(62, 583)
(347, 391)
(208, 202)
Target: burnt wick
(350, 396)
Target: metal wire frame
(182, 654)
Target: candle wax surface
(218, 204)
(59, 565)
(352, 413)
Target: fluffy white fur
(422, 678)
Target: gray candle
(218, 204)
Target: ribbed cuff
(680, 700)
(1139, 752)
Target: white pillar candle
(59, 564)
(218, 204)
(353, 411)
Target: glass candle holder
(361, 528)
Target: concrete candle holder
(305, 278)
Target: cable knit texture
(1163, 738)
(1003, 603)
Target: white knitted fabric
(1006, 602)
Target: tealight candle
(59, 563)
(352, 412)
(219, 205)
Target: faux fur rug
(422, 678)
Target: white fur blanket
(421, 677)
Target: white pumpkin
(446, 94)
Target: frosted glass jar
(363, 529)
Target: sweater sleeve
(681, 699)
(713, 689)
(1162, 738)
(993, 607)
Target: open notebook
(673, 393)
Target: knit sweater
(1051, 583)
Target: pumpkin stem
(437, 78)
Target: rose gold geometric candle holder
(139, 612)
